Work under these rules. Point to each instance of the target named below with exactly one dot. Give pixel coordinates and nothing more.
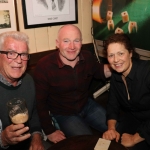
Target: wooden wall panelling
(41, 39)
(86, 21)
(52, 35)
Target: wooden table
(83, 142)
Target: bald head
(69, 42)
(67, 28)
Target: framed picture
(7, 16)
(41, 13)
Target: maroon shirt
(61, 89)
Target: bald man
(62, 81)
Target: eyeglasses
(14, 55)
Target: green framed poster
(128, 16)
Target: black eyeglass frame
(18, 54)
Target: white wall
(43, 39)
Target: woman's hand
(129, 140)
(111, 134)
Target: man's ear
(57, 43)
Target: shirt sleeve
(34, 122)
(113, 107)
(42, 92)
(98, 70)
(144, 129)
(29, 87)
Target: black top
(138, 83)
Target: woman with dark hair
(129, 92)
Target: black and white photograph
(7, 16)
(42, 13)
(5, 19)
(50, 7)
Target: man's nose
(18, 59)
(71, 45)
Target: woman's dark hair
(122, 39)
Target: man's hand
(13, 134)
(129, 140)
(111, 135)
(36, 143)
(56, 136)
(107, 70)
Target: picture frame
(42, 13)
(7, 16)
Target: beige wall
(43, 39)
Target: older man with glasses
(13, 55)
(15, 83)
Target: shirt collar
(132, 73)
(61, 64)
(4, 81)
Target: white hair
(19, 36)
